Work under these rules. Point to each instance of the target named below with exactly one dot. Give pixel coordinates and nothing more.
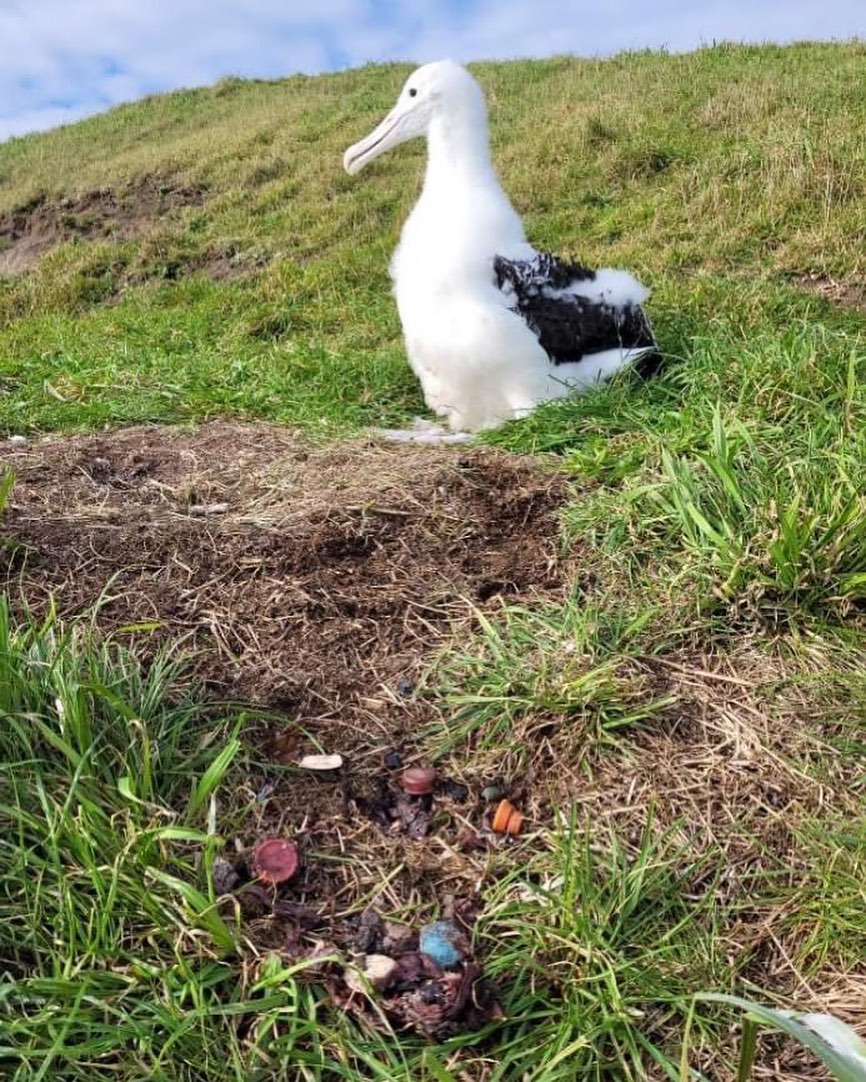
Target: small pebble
(393, 760)
(225, 876)
(455, 790)
(369, 932)
(491, 793)
(405, 687)
(18, 441)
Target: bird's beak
(388, 134)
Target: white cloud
(62, 58)
(491, 29)
(65, 58)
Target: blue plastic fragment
(443, 942)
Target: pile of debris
(426, 980)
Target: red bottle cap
(275, 860)
(418, 780)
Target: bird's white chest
(452, 236)
(462, 339)
(443, 266)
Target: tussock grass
(615, 936)
(116, 957)
(738, 475)
(107, 772)
(565, 667)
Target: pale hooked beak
(388, 134)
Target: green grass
(569, 662)
(748, 482)
(116, 957)
(190, 351)
(717, 526)
(613, 936)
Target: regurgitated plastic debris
(418, 780)
(507, 819)
(321, 762)
(275, 860)
(444, 942)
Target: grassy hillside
(680, 709)
(730, 167)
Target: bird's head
(435, 91)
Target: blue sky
(63, 59)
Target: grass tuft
(534, 671)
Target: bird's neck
(458, 157)
(463, 218)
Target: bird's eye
(412, 91)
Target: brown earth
(29, 231)
(846, 293)
(316, 583)
(313, 581)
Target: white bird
(492, 327)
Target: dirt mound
(29, 231)
(314, 581)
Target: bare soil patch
(312, 581)
(316, 583)
(29, 231)
(846, 293)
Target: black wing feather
(568, 328)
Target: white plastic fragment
(321, 762)
(208, 508)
